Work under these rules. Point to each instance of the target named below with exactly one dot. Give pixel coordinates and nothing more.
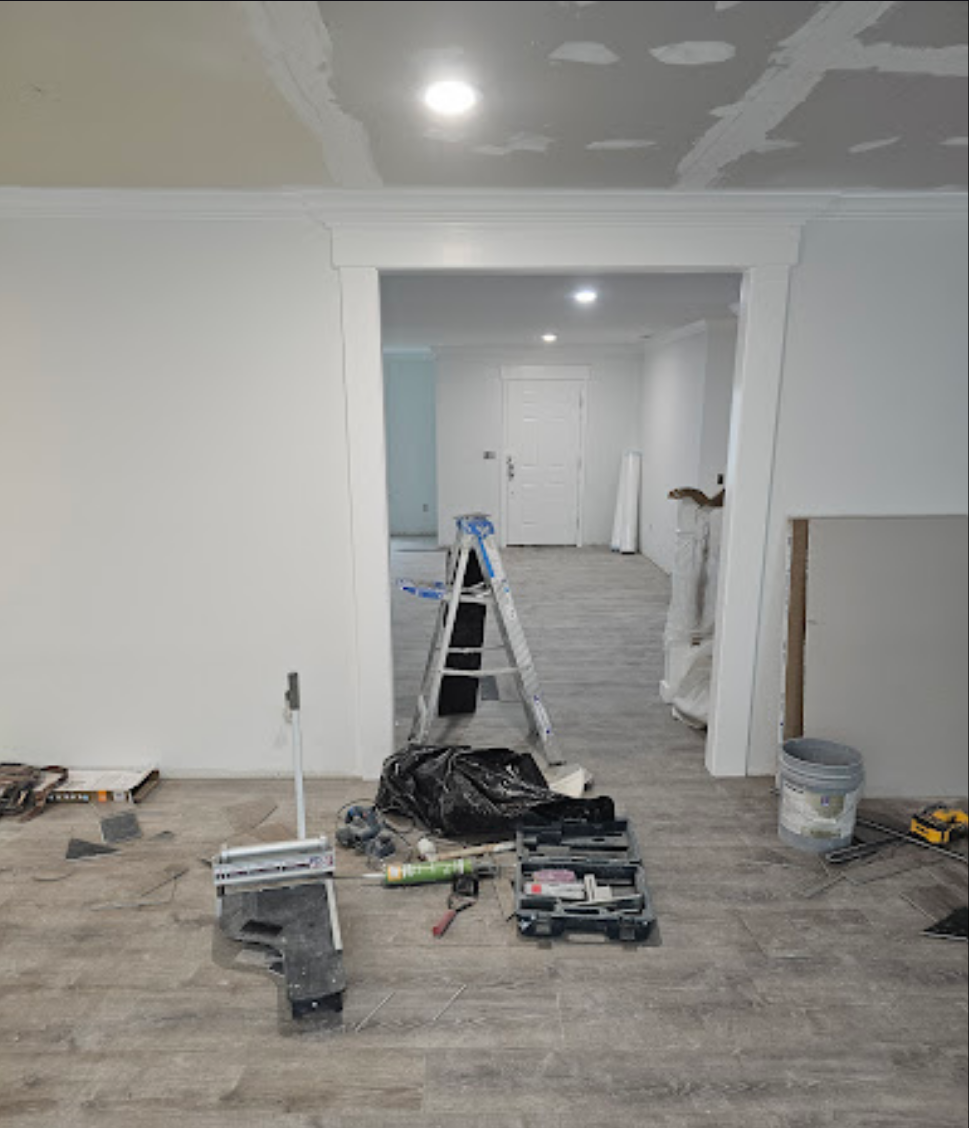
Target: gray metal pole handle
(292, 701)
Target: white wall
(873, 404)
(687, 382)
(469, 422)
(173, 467)
(717, 403)
(410, 385)
(173, 494)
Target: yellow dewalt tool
(940, 825)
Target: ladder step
(493, 673)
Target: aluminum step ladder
(476, 540)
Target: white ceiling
(863, 94)
(444, 310)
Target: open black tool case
(603, 857)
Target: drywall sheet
(885, 663)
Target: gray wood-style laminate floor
(762, 1008)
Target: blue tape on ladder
(479, 527)
(477, 524)
(484, 555)
(436, 591)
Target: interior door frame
(755, 236)
(507, 376)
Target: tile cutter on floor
(281, 896)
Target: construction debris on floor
(457, 790)
(879, 852)
(24, 790)
(955, 926)
(123, 827)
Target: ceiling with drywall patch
(863, 94)
(443, 310)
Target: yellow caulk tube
(423, 873)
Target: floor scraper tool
(280, 896)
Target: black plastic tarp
(455, 790)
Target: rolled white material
(625, 526)
(688, 638)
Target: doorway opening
(536, 399)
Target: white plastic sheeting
(625, 526)
(688, 639)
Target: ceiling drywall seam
(942, 62)
(871, 146)
(298, 52)
(800, 63)
(619, 144)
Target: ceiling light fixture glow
(585, 297)
(549, 338)
(450, 97)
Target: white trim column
(753, 425)
(369, 531)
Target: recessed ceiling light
(585, 297)
(450, 97)
(550, 338)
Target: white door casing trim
(372, 667)
(580, 374)
(764, 254)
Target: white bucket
(820, 786)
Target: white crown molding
(670, 336)
(727, 321)
(547, 354)
(902, 205)
(692, 329)
(413, 352)
(377, 208)
(601, 209)
(138, 203)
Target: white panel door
(543, 438)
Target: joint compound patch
(618, 145)
(694, 53)
(593, 54)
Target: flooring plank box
(106, 786)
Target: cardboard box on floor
(93, 785)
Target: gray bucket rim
(808, 753)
